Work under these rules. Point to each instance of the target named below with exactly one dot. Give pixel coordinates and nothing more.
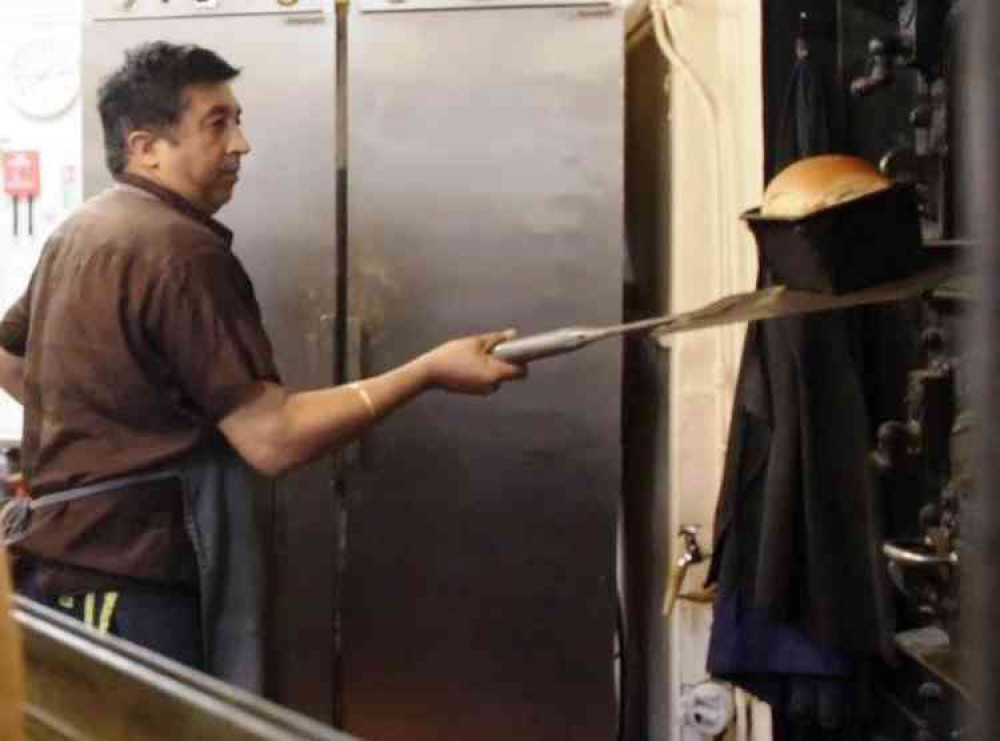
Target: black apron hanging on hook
(805, 127)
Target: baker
(148, 383)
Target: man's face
(200, 159)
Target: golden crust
(817, 183)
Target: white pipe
(724, 370)
(664, 33)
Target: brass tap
(692, 554)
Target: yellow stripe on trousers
(88, 608)
(107, 611)
(108, 604)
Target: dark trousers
(167, 621)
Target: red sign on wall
(22, 176)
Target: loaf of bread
(817, 183)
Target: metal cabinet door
(284, 215)
(485, 191)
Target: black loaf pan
(859, 243)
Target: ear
(143, 149)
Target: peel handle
(544, 345)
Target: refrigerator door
(485, 191)
(284, 215)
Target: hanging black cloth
(798, 526)
(804, 128)
(798, 522)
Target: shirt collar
(176, 201)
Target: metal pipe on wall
(981, 520)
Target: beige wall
(711, 254)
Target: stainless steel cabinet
(485, 163)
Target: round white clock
(43, 74)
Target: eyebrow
(224, 110)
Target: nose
(239, 143)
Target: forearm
(277, 430)
(324, 420)
(12, 375)
(274, 430)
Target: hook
(801, 41)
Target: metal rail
(84, 685)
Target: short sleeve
(14, 326)
(204, 319)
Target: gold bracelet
(366, 398)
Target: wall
(687, 251)
(711, 255)
(40, 54)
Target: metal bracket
(410, 6)
(129, 10)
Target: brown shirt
(140, 330)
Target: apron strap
(15, 515)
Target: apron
(219, 517)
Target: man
(138, 354)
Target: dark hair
(147, 92)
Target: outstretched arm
(275, 430)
